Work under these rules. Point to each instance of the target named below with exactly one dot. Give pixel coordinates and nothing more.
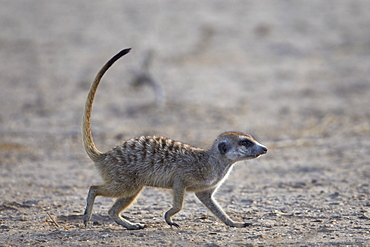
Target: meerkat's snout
(260, 150)
(255, 151)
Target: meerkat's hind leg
(120, 205)
(94, 191)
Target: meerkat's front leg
(206, 197)
(178, 202)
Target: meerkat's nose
(264, 149)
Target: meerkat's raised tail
(90, 148)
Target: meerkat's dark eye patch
(246, 143)
(223, 147)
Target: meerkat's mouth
(253, 156)
(258, 154)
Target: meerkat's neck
(220, 164)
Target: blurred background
(294, 74)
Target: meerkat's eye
(223, 147)
(246, 143)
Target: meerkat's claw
(170, 222)
(173, 224)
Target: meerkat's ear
(223, 147)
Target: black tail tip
(125, 51)
(119, 55)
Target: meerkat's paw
(240, 224)
(128, 225)
(168, 219)
(86, 218)
(173, 224)
(137, 226)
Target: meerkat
(161, 162)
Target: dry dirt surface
(294, 74)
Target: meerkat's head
(237, 146)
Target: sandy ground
(295, 74)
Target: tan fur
(162, 162)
